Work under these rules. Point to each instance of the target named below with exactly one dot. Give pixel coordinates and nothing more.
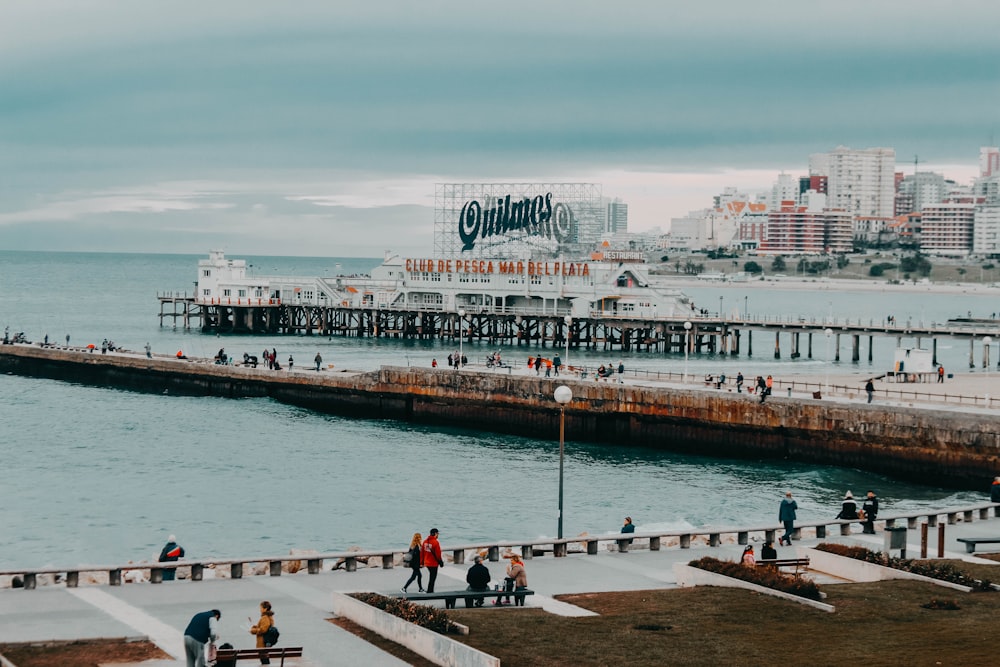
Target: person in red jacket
(430, 557)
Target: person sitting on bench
(478, 579)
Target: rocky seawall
(929, 446)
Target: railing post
(236, 570)
(115, 577)
(30, 581)
(72, 579)
(940, 552)
(592, 547)
(713, 539)
(559, 550)
(911, 522)
(350, 564)
(197, 572)
(932, 520)
(458, 556)
(527, 551)
(275, 568)
(923, 540)
(967, 515)
(742, 537)
(769, 535)
(984, 513)
(654, 543)
(845, 529)
(314, 565)
(820, 532)
(156, 575)
(622, 546)
(890, 523)
(952, 518)
(494, 554)
(387, 563)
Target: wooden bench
(971, 542)
(799, 564)
(451, 597)
(236, 654)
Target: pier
(924, 443)
(698, 333)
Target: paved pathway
(302, 601)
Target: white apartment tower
(859, 181)
(786, 188)
(617, 218)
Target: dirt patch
(90, 653)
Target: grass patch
(81, 653)
(944, 570)
(881, 623)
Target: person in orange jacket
(430, 557)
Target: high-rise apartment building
(947, 228)
(859, 181)
(617, 218)
(989, 161)
(921, 189)
(802, 229)
(986, 231)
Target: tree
(778, 264)
(802, 266)
(916, 263)
(842, 261)
(753, 267)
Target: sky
(320, 128)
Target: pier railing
(495, 550)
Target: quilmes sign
(534, 216)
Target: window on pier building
(435, 277)
(425, 276)
(258, 293)
(206, 292)
(206, 272)
(307, 295)
(226, 292)
(243, 292)
(537, 280)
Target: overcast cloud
(310, 128)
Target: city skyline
(313, 129)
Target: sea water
(99, 475)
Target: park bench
(799, 564)
(274, 652)
(971, 542)
(450, 597)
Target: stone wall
(926, 445)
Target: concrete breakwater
(925, 445)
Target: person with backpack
(265, 630)
(412, 560)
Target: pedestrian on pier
(556, 362)
(538, 365)
(761, 388)
(318, 360)
(848, 508)
(290, 362)
(739, 382)
(870, 389)
(940, 373)
(786, 515)
(149, 351)
(995, 490)
(67, 340)
(434, 363)
(430, 557)
(628, 527)
(260, 628)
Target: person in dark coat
(768, 552)
(478, 579)
(628, 527)
(870, 508)
(204, 626)
(171, 552)
(786, 515)
(414, 563)
(848, 508)
(995, 490)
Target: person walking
(261, 627)
(430, 557)
(203, 628)
(940, 374)
(478, 578)
(556, 363)
(995, 490)
(739, 382)
(149, 351)
(171, 553)
(870, 389)
(414, 563)
(870, 508)
(291, 362)
(318, 360)
(761, 388)
(786, 515)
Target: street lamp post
(563, 395)
(569, 322)
(828, 332)
(461, 322)
(987, 341)
(687, 332)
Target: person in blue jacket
(204, 627)
(786, 515)
(171, 552)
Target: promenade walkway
(302, 602)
